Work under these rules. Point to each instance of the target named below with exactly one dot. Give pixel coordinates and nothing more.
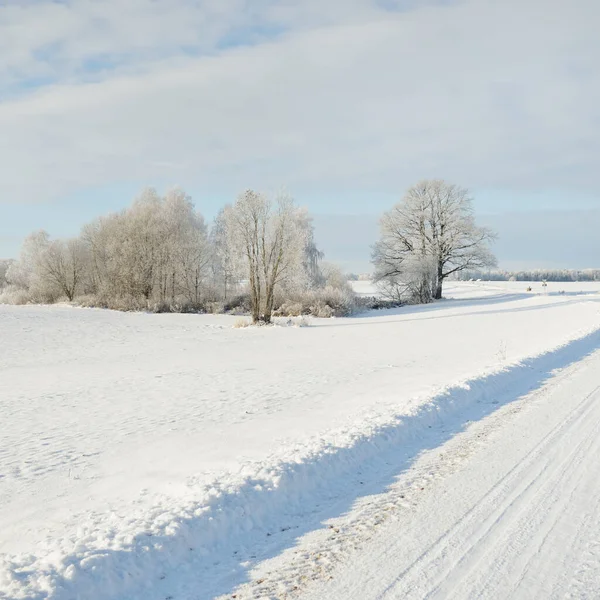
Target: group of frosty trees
(160, 254)
(429, 236)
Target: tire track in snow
(418, 572)
(546, 490)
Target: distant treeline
(559, 275)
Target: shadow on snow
(213, 550)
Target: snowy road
(520, 518)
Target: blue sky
(345, 103)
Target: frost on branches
(428, 236)
(258, 257)
(269, 238)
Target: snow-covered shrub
(163, 307)
(322, 310)
(323, 302)
(334, 277)
(292, 321)
(376, 303)
(12, 294)
(215, 307)
(239, 304)
(327, 295)
(290, 309)
(342, 300)
(88, 301)
(241, 323)
(124, 303)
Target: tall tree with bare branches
(270, 239)
(428, 236)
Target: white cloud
(485, 93)
(59, 39)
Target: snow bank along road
(520, 518)
(170, 456)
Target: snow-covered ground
(168, 456)
(510, 508)
(478, 289)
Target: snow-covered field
(169, 456)
(478, 289)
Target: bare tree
(101, 237)
(65, 264)
(193, 256)
(222, 263)
(142, 256)
(157, 250)
(157, 254)
(50, 268)
(4, 267)
(270, 239)
(433, 224)
(312, 259)
(183, 249)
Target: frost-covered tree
(4, 266)
(142, 248)
(184, 252)
(156, 250)
(333, 276)
(64, 264)
(312, 260)
(158, 254)
(102, 238)
(223, 263)
(49, 268)
(23, 272)
(269, 239)
(428, 236)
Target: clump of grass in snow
(241, 323)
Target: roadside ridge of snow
(111, 557)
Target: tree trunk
(269, 304)
(439, 282)
(254, 297)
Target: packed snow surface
(508, 509)
(164, 456)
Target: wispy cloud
(59, 40)
(329, 95)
